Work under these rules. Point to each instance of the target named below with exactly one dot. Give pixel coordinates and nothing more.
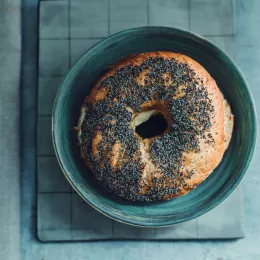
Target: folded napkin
(65, 33)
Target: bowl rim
(166, 222)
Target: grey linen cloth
(10, 53)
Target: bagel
(154, 126)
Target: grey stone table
(248, 59)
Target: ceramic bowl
(93, 64)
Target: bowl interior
(93, 64)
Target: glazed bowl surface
(79, 82)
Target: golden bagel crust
(196, 165)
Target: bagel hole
(150, 124)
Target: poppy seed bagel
(157, 89)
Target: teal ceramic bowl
(93, 64)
